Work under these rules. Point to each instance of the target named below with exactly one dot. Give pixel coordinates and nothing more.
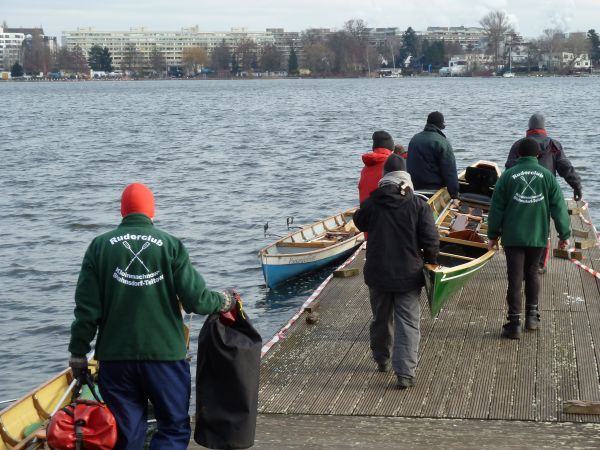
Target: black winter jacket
(431, 162)
(552, 157)
(402, 235)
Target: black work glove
(79, 366)
(231, 298)
(577, 194)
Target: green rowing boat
(462, 226)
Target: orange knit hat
(137, 198)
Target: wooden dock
(467, 374)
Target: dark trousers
(127, 386)
(522, 264)
(395, 329)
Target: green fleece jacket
(524, 199)
(132, 282)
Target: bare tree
(131, 58)
(246, 54)
(495, 27)
(36, 55)
(552, 44)
(220, 56)
(194, 59)
(318, 58)
(157, 61)
(270, 58)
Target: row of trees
(344, 52)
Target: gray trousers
(396, 320)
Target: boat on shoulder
(462, 227)
(310, 248)
(23, 423)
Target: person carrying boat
(552, 156)
(431, 162)
(371, 173)
(524, 199)
(133, 282)
(402, 238)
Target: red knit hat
(137, 198)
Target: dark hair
(394, 163)
(383, 139)
(529, 147)
(436, 118)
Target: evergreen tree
(17, 70)
(235, 68)
(410, 42)
(595, 44)
(95, 57)
(106, 60)
(293, 62)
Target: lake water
(223, 158)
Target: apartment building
(171, 43)
(10, 48)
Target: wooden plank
(581, 407)
(567, 254)
(585, 244)
(309, 244)
(346, 273)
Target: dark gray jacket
(402, 236)
(552, 157)
(431, 162)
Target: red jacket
(372, 172)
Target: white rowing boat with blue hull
(310, 248)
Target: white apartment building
(472, 37)
(10, 48)
(170, 43)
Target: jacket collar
(528, 160)
(538, 131)
(136, 219)
(432, 127)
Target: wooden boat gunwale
(441, 205)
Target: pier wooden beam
(581, 233)
(581, 407)
(346, 273)
(585, 244)
(566, 254)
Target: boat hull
(462, 252)
(310, 248)
(286, 268)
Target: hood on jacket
(397, 178)
(377, 156)
(390, 195)
(432, 127)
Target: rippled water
(223, 158)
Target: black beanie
(436, 118)
(529, 147)
(394, 163)
(383, 139)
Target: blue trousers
(127, 386)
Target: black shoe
(383, 367)
(405, 382)
(512, 330)
(532, 321)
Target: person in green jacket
(524, 199)
(133, 283)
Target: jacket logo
(136, 279)
(527, 192)
(136, 255)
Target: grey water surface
(223, 158)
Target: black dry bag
(227, 381)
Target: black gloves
(577, 194)
(230, 300)
(79, 366)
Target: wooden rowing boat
(310, 248)
(462, 226)
(23, 423)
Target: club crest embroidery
(136, 273)
(526, 191)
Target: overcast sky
(529, 17)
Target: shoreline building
(11, 44)
(171, 44)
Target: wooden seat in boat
(310, 244)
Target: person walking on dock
(132, 284)
(431, 162)
(402, 237)
(552, 156)
(383, 145)
(524, 199)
